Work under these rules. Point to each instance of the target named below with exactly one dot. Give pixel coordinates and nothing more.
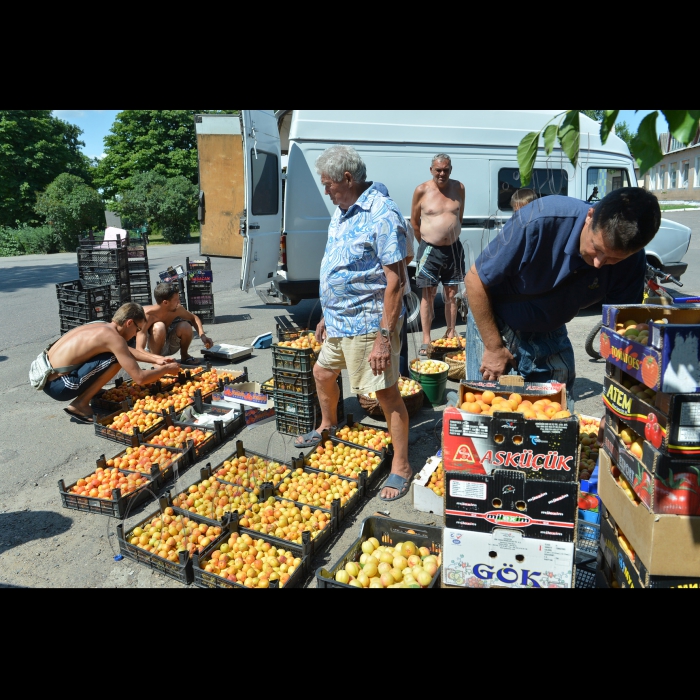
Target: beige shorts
(353, 353)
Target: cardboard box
(627, 569)
(511, 384)
(258, 406)
(425, 499)
(505, 559)
(671, 361)
(679, 423)
(479, 444)
(664, 484)
(506, 498)
(669, 545)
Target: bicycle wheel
(593, 342)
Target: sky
(633, 119)
(95, 124)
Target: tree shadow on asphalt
(586, 389)
(33, 276)
(18, 528)
(233, 318)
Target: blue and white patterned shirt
(370, 234)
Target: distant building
(677, 175)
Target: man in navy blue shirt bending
(553, 258)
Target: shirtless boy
(95, 353)
(168, 326)
(436, 216)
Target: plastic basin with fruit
(435, 367)
(407, 387)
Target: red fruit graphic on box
(650, 372)
(604, 346)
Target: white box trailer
(249, 198)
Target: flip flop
(394, 481)
(424, 350)
(310, 439)
(80, 417)
(190, 362)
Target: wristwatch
(385, 333)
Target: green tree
(622, 129)
(682, 124)
(35, 148)
(166, 204)
(71, 208)
(150, 140)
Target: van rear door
(261, 224)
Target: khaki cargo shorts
(352, 353)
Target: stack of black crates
(139, 275)
(200, 296)
(297, 408)
(106, 262)
(79, 304)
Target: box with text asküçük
(669, 545)
(671, 423)
(506, 499)
(505, 559)
(540, 449)
(670, 362)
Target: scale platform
(223, 351)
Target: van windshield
(602, 181)
(545, 181)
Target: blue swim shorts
(70, 386)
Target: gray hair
(442, 156)
(337, 160)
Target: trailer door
(261, 224)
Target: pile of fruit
(177, 436)
(624, 485)
(336, 458)
(318, 490)
(436, 483)
(364, 436)
(212, 499)
(140, 459)
(638, 332)
(457, 342)
(587, 501)
(284, 520)
(251, 471)
(458, 356)
(633, 442)
(252, 563)
(168, 535)
(407, 387)
(303, 342)
(429, 366)
(588, 439)
(638, 389)
(125, 391)
(488, 403)
(136, 418)
(402, 566)
(101, 483)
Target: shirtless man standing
(93, 354)
(436, 216)
(168, 326)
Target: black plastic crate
(287, 329)
(139, 290)
(68, 324)
(242, 451)
(109, 259)
(199, 287)
(143, 299)
(106, 406)
(305, 406)
(201, 301)
(205, 315)
(288, 424)
(207, 579)
(99, 276)
(102, 430)
(83, 314)
(299, 360)
(78, 293)
(302, 383)
(198, 264)
(97, 241)
(139, 277)
(137, 251)
(389, 532)
(137, 266)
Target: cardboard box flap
(424, 474)
(507, 383)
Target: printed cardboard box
(671, 360)
(626, 567)
(664, 484)
(669, 545)
(258, 405)
(479, 444)
(507, 499)
(674, 431)
(505, 559)
(513, 384)
(424, 499)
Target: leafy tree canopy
(35, 147)
(150, 140)
(71, 208)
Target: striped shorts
(70, 386)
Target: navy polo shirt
(539, 249)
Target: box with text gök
(507, 499)
(540, 449)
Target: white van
(248, 198)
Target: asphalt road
(42, 544)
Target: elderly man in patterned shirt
(362, 275)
